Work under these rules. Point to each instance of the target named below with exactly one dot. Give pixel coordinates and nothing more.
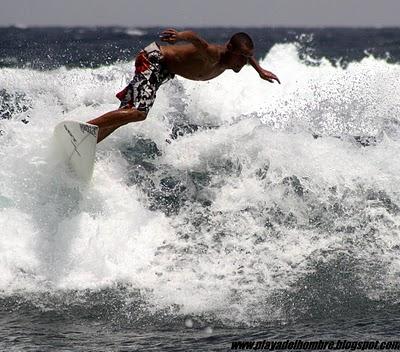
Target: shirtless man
(154, 65)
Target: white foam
(60, 237)
(135, 32)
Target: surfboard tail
(75, 144)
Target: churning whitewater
(222, 203)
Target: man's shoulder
(215, 51)
(216, 48)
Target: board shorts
(150, 74)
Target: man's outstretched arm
(264, 74)
(172, 36)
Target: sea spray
(244, 216)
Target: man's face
(237, 58)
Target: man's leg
(110, 121)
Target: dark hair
(240, 40)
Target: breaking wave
(236, 201)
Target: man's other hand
(269, 76)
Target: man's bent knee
(134, 115)
(142, 115)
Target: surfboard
(75, 145)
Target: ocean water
(238, 210)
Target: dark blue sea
(239, 210)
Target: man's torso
(189, 62)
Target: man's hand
(268, 76)
(170, 36)
(264, 74)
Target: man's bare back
(188, 61)
(196, 60)
(202, 61)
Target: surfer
(195, 60)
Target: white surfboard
(75, 144)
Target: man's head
(239, 50)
